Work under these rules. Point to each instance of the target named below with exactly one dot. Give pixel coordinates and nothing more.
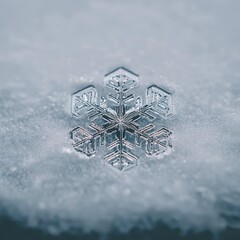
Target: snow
(51, 49)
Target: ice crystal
(121, 121)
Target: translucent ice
(123, 126)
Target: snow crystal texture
(50, 49)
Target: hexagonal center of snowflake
(122, 114)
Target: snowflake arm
(121, 156)
(156, 142)
(84, 102)
(86, 142)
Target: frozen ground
(50, 49)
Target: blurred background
(50, 49)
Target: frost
(122, 127)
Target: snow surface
(49, 49)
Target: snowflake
(121, 122)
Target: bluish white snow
(50, 49)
